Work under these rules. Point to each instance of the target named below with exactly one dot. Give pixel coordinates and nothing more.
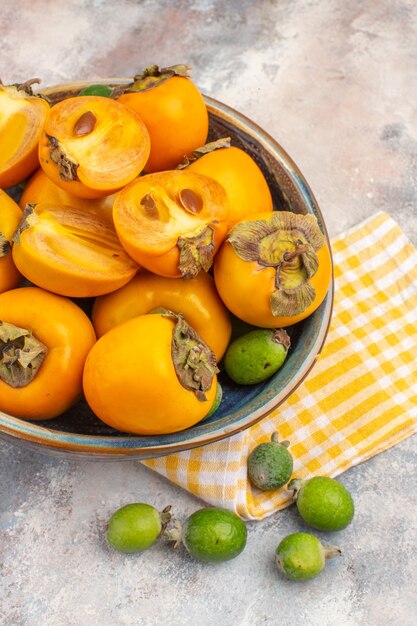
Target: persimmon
(92, 146)
(10, 216)
(274, 270)
(245, 185)
(40, 189)
(172, 223)
(44, 341)
(22, 115)
(173, 110)
(71, 252)
(195, 299)
(150, 375)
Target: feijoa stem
(295, 485)
(174, 534)
(331, 551)
(275, 439)
(165, 516)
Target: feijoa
(97, 90)
(257, 355)
(217, 400)
(302, 556)
(211, 534)
(270, 464)
(135, 527)
(323, 502)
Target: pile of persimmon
(128, 204)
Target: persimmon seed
(150, 207)
(85, 123)
(191, 202)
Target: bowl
(79, 433)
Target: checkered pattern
(359, 399)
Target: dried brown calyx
(21, 355)
(67, 166)
(196, 253)
(152, 76)
(194, 362)
(5, 245)
(225, 142)
(287, 242)
(27, 219)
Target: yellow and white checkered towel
(359, 399)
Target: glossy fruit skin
(40, 189)
(71, 252)
(300, 556)
(238, 281)
(176, 117)
(131, 384)
(68, 334)
(246, 188)
(214, 534)
(134, 527)
(325, 504)
(21, 120)
(270, 466)
(254, 357)
(10, 216)
(196, 299)
(153, 241)
(108, 157)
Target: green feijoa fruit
(217, 400)
(211, 534)
(257, 355)
(302, 556)
(270, 464)
(135, 527)
(323, 502)
(97, 90)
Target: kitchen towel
(359, 399)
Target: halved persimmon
(245, 185)
(10, 216)
(173, 111)
(40, 189)
(71, 252)
(22, 116)
(172, 223)
(92, 146)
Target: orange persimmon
(44, 341)
(92, 146)
(172, 223)
(245, 185)
(40, 189)
(10, 216)
(71, 252)
(173, 111)
(22, 116)
(196, 299)
(150, 375)
(274, 270)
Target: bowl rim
(99, 447)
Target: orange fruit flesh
(109, 156)
(154, 230)
(72, 252)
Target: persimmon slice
(70, 252)
(22, 116)
(92, 146)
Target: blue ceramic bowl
(78, 433)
